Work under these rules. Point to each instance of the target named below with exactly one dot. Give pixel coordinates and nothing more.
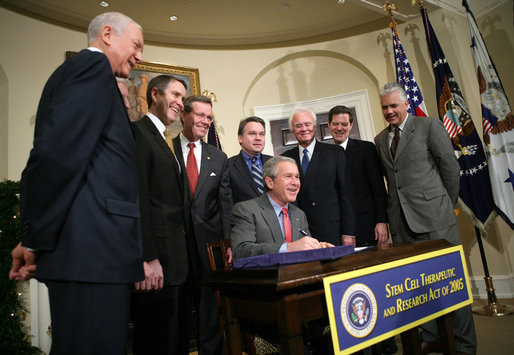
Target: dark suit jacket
(162, 202)
(256, 230)
(423, 178)
(323, 196)
(207, 215)
(369, 193)
(241, 180)
(79, 194)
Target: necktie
(305, 160)
(169, 142)
(394, 142)
(288, 232)
(192, 169)
(257, 175)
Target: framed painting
(146, 71)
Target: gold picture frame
(143, 73)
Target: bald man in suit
(79, 200)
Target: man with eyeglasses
(207, 205)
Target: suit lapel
(407, 134)
(315, 163)
(242, 168)
(161, 143)
(383, 146)
(205, 167)
(269, 216)
(180, 157)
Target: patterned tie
(394, 142)
(257, 175)
(192, 169)
(169, 142)
(305, 161)
(288, 232)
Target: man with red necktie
(270, 223)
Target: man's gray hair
(302, 110)
(270, 167)
(116, 20)
(389, 88)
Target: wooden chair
(255, 345)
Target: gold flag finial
(210, 95)
(421, 2)
(389, 7)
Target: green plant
(12, 338)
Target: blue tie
(257, 175)
(305, 161)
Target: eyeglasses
(202, 116)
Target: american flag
(405, 77)
(498, 124)
(475, 196)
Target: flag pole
(493, 308)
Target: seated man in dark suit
(246, 168)
(270, 223)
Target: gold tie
(169, 142)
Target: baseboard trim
(503, 286)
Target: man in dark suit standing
(208, 201)
(363, 170)
(246, 168)
(79, 195)
(157, 312)
(422, 175)
(323, 196)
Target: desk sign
(369, 305)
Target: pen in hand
(302, 232)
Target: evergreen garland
(12, 338)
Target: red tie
(192, 169)
(288, 233)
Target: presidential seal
(359, 310)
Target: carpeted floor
(495, 335)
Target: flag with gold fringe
(498, 124)
(475, 196)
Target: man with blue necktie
(324, 195)
(246, 168)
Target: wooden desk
(292, 295)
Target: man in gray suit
(422, 175)
(270, 223)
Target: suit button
(399, 188)
(314, 203)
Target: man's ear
(269, 182)
(155, 91)
(106, 34)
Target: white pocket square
(212, 174)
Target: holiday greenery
(12, 338)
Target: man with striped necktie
(246, 168)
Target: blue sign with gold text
(369, 305)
